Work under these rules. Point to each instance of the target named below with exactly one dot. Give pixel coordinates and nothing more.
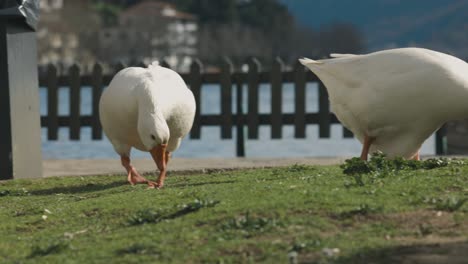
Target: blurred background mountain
(436, 24)
(111, 31)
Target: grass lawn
(297, 214)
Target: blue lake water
(210, 144)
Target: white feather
(153, 95)
(339, 55)
(398, 96)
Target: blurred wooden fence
(226, 78)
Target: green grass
(297, 214)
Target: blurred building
(53, 36)
(72, 32)
(50, 5)
(151, 30)
(62, 30)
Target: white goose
(150, 109)
(393, 100)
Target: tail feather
(153, 69)
(154, 64)
(340, 55)
(307, 61)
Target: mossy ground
(296, 214)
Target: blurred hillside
(264, 28)
(436, 24)
(113, 31)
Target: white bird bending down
(393, 100)
(150, 109)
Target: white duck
(150, 109)
(393, 100)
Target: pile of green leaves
(380, 164)
(249, 222)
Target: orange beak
(159, 156)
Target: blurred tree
(264, 28)
(272, 18)
(340, 38)
(241, 28)
(208, 11)
(244, 28)
(64, 35)
(109, 13)
(304, 42)
(85, 20)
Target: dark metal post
(195, 84)
(20, 133)
(441, 141)
(240, 139)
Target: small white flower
(44, 217)
(81, 231)
(68, 235)
(330, 252)
(292, 256)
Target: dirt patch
(434, 253)
(246, 253)
(422, 221)
(438, 253)
(437, 219)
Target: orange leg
(168, 157)
(133, 177)
(160, 157)
(416, 156)
(365, 147)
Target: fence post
(299, 104)
(226, 98)
(96, 96)
(441, 141)
(20, 129)
(195, 86)
(252, 83)
(165, 64)
(52, 103)
(240, 138)
(276, 98)
(141, 64)
(75, 100)
(347, 133)
(119, 66)
(324, 112)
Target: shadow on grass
(94, 187)
(439, 253)
(49, 248)
(85, 188)
(181, 185)
(138, 249)
(156, 216)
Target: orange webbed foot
(160, 157)
(416, 156)
(155, 185)
(134, 177)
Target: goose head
(154, 134)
